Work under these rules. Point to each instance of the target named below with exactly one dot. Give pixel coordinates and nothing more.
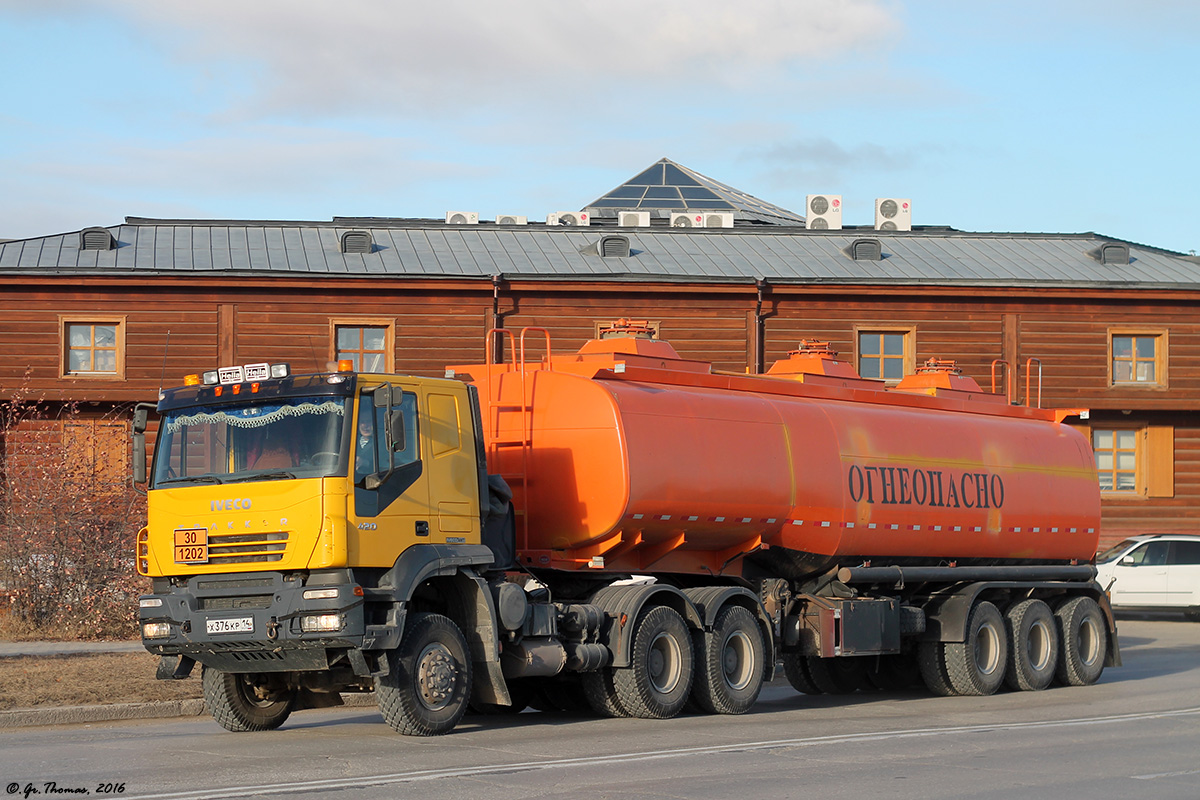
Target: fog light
(156, 630)
(320, 594)
(321, 622)
(150, 602)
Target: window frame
(909, 356)
(1139, 459)
(1161, 346)
(389, 338)
(119, 321)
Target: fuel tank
(626, 457)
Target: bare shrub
(68, 520)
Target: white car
(1154, 572)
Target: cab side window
(371, 448)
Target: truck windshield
(295, 437)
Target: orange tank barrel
(636, 460)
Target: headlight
(314, 623)
(156, 630)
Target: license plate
(230, 625)
(191, 546)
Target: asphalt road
(1135, 734)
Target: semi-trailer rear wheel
(1084, 638)
(658, 680)
(729, 663)
(1032, 646)
(976, 666)
(428, 684)
(240, 702)
(795, 667)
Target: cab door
(389, 509)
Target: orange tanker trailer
(889, 532)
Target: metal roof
(432, 249)
(665, 186)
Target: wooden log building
(105, 316)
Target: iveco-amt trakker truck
(619, 529)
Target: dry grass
(79, 680)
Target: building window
(1135, 461)
(1116, 458)
(93, 346)
(368, 343)
(1138, 358)
(885, 354)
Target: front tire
(239, 703)
(659, 677)
(1084, 638)
(428, 684)
(729, 663)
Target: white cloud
(310, 57)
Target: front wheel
(729, 663)
(428, 684)
(241, 702)
(658, 680)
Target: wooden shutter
(1160, 461)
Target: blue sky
(1020, 116)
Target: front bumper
(253, 622)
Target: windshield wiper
(269, 476)
(196, 479)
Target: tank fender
(709, 600)
(622, 604)
(946, 614)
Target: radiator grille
(246, 548)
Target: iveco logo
(231, 504)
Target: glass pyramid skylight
(667, 187)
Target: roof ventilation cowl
(865, 250)
(357, 242)
(1111, 253)
(611, 246)
(96, 239)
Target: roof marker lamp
(281, 370)
(191, 380)
(210, 378)
(346, 365)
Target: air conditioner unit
(634, 219)
(511, 219)
(687, 219)
(718, 219)
(462, 218)
(893, 214)
(823, 212)
(570, 218)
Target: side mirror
(398, 436)
(1128, 561)
(139, 454)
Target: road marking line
(259, 790)
(1165, 775)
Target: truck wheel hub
(436, 676)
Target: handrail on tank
(545, 333)
(1028, 370)
(1007, 377)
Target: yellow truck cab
(292, 521)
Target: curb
(163, 709)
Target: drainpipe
(497, 320)
(760, 329)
